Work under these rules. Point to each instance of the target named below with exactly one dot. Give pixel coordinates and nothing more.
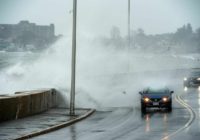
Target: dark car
(192, 80)
(160, 98)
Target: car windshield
(159, 91)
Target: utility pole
(73, 67)
(129, 38)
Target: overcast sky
(96, 17)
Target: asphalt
(126, 123)
(41, 123)
(192, 98)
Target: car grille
(155, 99)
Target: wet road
(192, 97)
(128, 123)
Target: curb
(56, 127)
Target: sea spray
(105, 76)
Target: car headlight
(146, 99)
(185, 88)
(165, 99)
(185, 79)
(198, 79)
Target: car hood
(156, 95)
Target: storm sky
(96, 17)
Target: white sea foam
(105, 76)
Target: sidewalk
(41, 123)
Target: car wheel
(143, 108)
(170, 108)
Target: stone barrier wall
(26, 103)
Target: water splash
(102, 73)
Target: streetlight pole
(129, 38)
(73, 67)
(129, 23)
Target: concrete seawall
(23, 104)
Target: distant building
(25, 34)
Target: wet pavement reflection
(73, 132)
(155, 117)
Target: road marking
(189, 122)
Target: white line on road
(189, 122)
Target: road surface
(125, 123)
